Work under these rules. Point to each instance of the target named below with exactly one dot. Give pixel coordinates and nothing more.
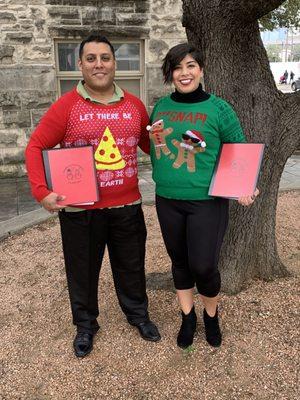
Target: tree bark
(236, 68)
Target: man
(99, 113)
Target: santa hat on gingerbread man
(155, 124)
(196, 135)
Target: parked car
(296, 85)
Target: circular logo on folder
(238, 167)
(73, 173)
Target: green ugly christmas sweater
(185, 143)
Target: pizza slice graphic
(107, 154)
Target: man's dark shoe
(83, 344)
(148, 331)
(212, 329)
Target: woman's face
(186, 75)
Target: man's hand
(50, 202)
(248, 200)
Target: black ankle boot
(187, 330)
(212, 329)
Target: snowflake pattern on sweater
(113, 130)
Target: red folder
(237, 169)
(71, 172)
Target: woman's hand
(248, 200)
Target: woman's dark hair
(174, 57)
(95, 37)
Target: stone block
(95, 3)
(78, 32)
(36, 99)
(27, 26)
(90, 14)
(70, 21)
(42, 49)
(166, 29)
(37, 54)
(167, 7)
(9, 100)
(36, 115)
(10, 28)
(24, 2)
(158, 48)
(8, 139)
(124, 10)
(154, 75)
(64, 12)
(155, 84)
(19, 37)
(19, 118)
(12, 155)
(142, 6)
(131, 19)
(7, 17)
(6, 54)
(105, 15)
(108, 15)
(39, 23)
(117, 4)
(12, 171)
(28, 132)
(20, 77)
(73, 32)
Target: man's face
(98, 66)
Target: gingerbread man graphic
(191, 144)
(158, 134)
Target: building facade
(39, 43)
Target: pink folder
(71, 172)
(237, 169)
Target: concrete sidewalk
(30, 212)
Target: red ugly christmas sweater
(113, 130)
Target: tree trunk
(236, 68)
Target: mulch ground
(259, 358)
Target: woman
(188, 128)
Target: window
(130, 66)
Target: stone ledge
(132, 19)
(110, 31)
(21, 222)
(23, 37)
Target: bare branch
(233, 12)
(256, 9)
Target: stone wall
(165, 31)
(27, 60)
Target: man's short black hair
(95, 37)
(174, 57)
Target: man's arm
(144, 142)
(49, 132)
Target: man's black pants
(84, 236)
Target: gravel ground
(259, 358)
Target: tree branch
(256, 9)
(231, 11)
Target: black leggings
(193, 232)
